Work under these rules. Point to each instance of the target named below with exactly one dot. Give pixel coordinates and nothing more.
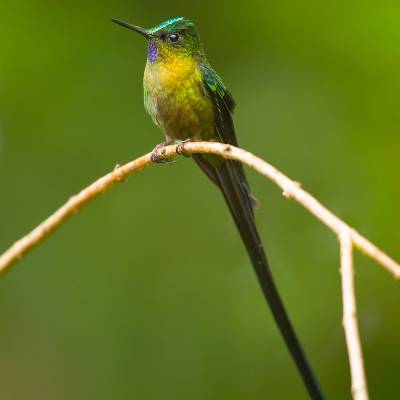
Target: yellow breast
(175, 70)
(175, 99)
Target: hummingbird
(188, 101)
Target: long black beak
(135, 28)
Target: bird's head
(176, 37)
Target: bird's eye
(173, 38)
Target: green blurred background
(148, 292)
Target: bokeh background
(148, 292)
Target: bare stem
(291, 189)
(347, 235)
(358, 380)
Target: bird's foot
(180, 148)
(158, 154)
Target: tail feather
(236, 193)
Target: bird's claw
(157, 158)
(180, 149)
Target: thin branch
(348, 237)
(69, 209)
(358, 380)
(291, 189)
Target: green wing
(224, 106)
(223, 103)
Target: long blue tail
(228, 175)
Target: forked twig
(348, 237)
